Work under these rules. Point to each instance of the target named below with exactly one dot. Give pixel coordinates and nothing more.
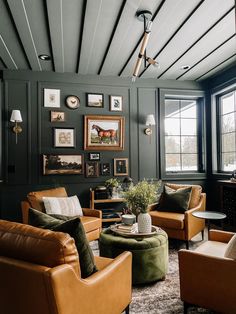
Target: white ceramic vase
(144, 223)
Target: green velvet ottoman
(149, 255)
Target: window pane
(189, 144)
(188, 109)
(172, 108)
(172, 144)
(188, 127)
(228, 143)
(228, 123)
(189, 162)
(173, 162)
(228, 161)
(172, 126)
(227, 103)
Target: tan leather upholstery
(177, 225)
(30, 287)
(207, 278)
(92, 219)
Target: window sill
(184, 176)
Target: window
(181, 133)
(227, 132)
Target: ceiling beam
(6, 56)
(55, 21)
(21, 21)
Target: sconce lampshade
(16, 116)
(150, 120)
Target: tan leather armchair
(40, 274)
(181, 226)
(207, 278)
(92, 219)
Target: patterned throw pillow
(68, 206)
(230, 251)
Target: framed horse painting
(104, 132)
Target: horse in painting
(105, 134)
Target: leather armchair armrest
(220, 236)
(92, 212)
(194, 224)
(204, 278)
(25, 205)
(153, 206)
(106, 291)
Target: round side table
(208, 216)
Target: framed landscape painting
(94, 100)
(104, 132)
(62, 164)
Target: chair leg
(186, 305)
(187, 244)
(127, 310)
(202, 234)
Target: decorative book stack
(128, 228)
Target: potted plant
(111, 184)
(138, 198)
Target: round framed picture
(72, 102)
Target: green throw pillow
(75, 229)
(175, 200)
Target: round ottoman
(149, 255)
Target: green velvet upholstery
(149, 255)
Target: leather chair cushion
(36, 198)
(167, 220)
(230, 251)
(212, 248)
(90, 223)
(75, 229)
(195, 195)
(38, 246)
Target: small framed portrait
(91, 169)
(121, 167)
(62, 164)
(64, 137)
(105, 169)
(52, 98)
(94, 156)
(58, 116)
(116, 103)
(95, 100)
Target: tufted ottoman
(150, 255)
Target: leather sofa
(207, 278)
(92, 219)
(40, 274)
(177, 225)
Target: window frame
(199, 96)
(217, 159)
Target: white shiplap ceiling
(103, 37)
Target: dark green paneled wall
(22, 167)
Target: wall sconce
(150, 121)
(16, 117)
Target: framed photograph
(64, 137)
(91, 169)
(121, 167)
(62, 164)
(105, 169)
(116, 103)
(104, 132)
(94, 100)
(58, 116)
(94, 156)
(52, 98)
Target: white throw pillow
(230, 251)
(67, 206)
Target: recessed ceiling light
(44, 57)
(185, 67)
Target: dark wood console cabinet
(228, 203)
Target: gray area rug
(162, 297)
